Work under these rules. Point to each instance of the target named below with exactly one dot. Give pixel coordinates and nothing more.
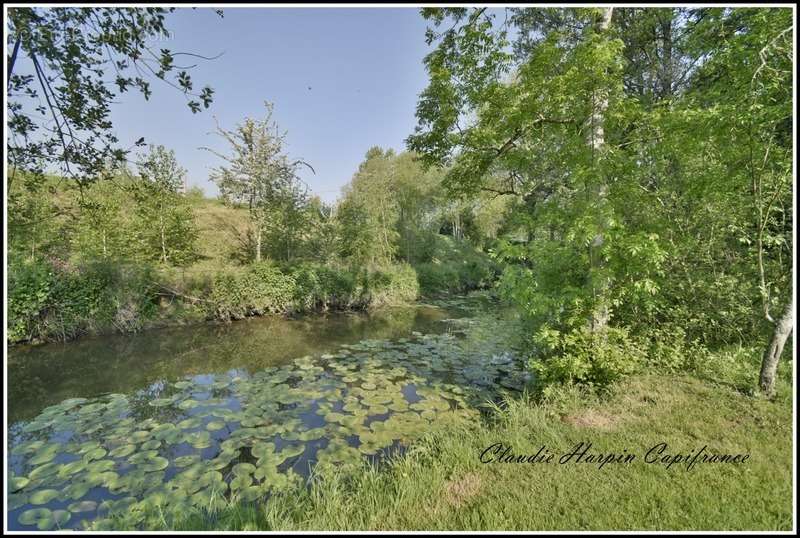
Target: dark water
(39, 376)
(105, 430)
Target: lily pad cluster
(209, 440)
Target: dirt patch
(459, 491)
(591, 418)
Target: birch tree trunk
(163, 238)
(600, 314)
(769, 363)
(258, 242)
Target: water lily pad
(44, 454)
(16, 483)
(150, 445)
(43, 496)
(243, 469)
(188, 404)
(200, 439)
(215, 425)
(96, 454)
(154, 464)
(250, 493)
(143, 457)
(140, 436)
(43, 518)
(76, 490)
(185, 461)
(241, 482)
(122, 451)
(44, 470)
(17, 500)
(82, 506)
(189, 423)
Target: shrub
(267, 288)
(258, 289)
(580, 356)
(320, 286)
(29, 287)
(455, 267)
(392, 285)
(46, 303)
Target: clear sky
(363, 66)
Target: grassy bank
(441, 484)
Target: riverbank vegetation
(140, 251)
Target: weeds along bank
(49, 302)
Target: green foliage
(391, 284)
(164, 226)
(585, 357)
(259, 175)
(319, 286)
(58, 57)
(268, 288)
(29, 285)
(47, 303)
(648, 155)
(455, 267)
(258, 289)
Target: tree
(370, 209)
(165, 221)
(648, 154)
(59, 100)
(287, 224)
(101, 230)
(258, 174)
(323, 230)
(533, 127)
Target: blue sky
(364, 67)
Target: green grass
(440, 484)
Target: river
(105, 429)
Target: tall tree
(258, 173)
(166, 223)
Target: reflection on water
(46, 374)
(200, 416)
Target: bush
(29, 287)
(49, 303)
(258, 289)
(392, 285)
(580, 356)
(320, 286)
(267, 288)
(455, 267)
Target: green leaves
(44, 519)
(64, 47)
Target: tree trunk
(769, 364)
(163, 240)
(665, 67)
(258, 243)
(600, 315)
